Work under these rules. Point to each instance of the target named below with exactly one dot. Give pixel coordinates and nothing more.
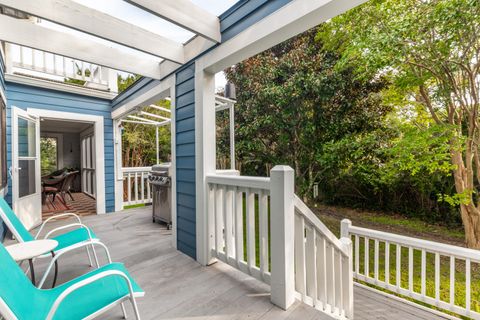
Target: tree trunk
(469, 213)
(471, 223)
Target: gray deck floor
(177, 287)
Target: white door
(26, 187)
(88, 165)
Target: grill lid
(163, 169)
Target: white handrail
(460, 259)
(297, 254)
(304, 210)
(323, 265)
(136, 169)
(416, 243)
(240, 181)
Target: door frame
(98, 124)
(17, 113)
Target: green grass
(332, 216)
(413, 224)
(397, 225)
(132, 206)
(430, 273)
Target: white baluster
(410, 269)
(136, 187)
(239, 225)
(387, 262)
(263, 229)
(129, 186)
(228, 214)
(452, 282)
(251, 254)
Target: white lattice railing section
(136, 188)
(415, 268)
(260, 227)
(52, 64)
(323, 265)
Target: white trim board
(65, 87)
(161, 91)
(173, 161)
(3, 96)
(99, 146)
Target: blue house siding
(23, 96)
(238, 18)
(185, 159)
(246, 13)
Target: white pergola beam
(160, 108)
(288, 21)
(184, 14)
(148, 114)
(158, 124)
(26, 33)
(136, 122)
(82, 18)
(142, 119)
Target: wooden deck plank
(177, 287)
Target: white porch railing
(239, 207)
(323, 265)
(261, 228)
(136, 188)
(422, 264)
(28, 59)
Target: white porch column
(282, 224)
(205, 158)
(117, 136)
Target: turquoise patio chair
(85, 297)
(80, 237)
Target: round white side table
(32, 249)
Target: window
(3, 144)
(48, 155)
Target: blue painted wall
(242, 15)
(185, 159)
(24, 97)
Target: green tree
(431, 50)
(139, 140)
(48, 155)
(291, 100)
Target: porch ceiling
(81, 32)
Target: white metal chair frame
(90, 243)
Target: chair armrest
(71, 248)
(81, 225)
(85, 282)
(56, 217)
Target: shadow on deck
(177, 287)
